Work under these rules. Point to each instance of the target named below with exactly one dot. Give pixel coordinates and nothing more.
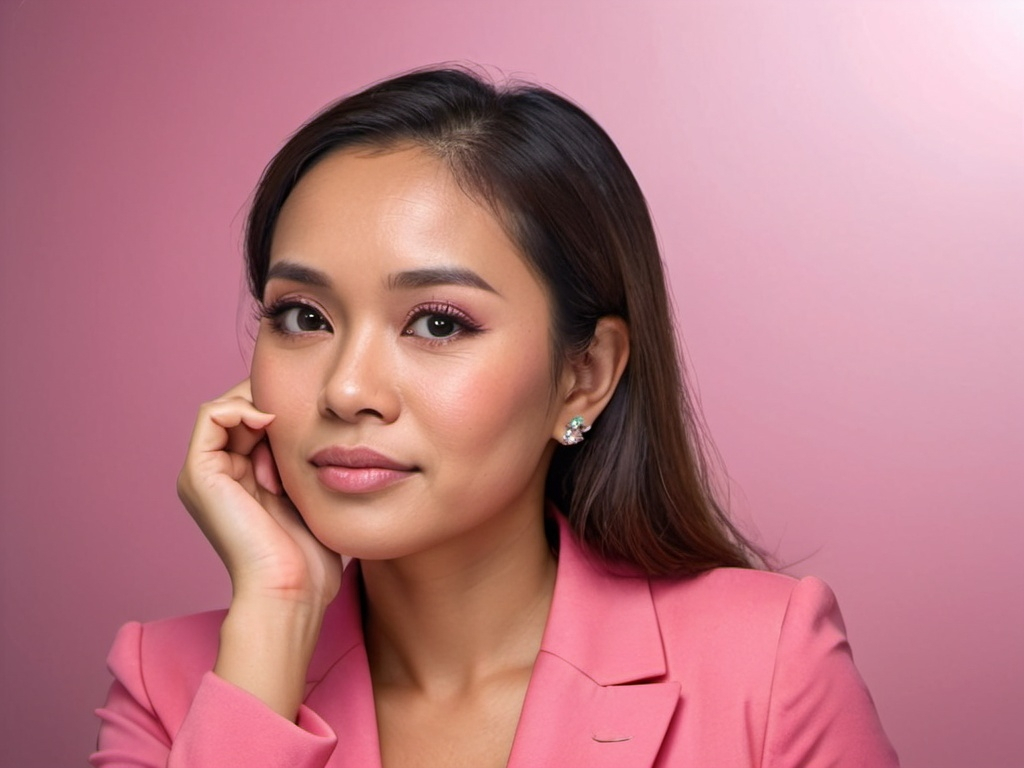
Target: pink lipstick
(358, 470)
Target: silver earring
(574, 431)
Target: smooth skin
(401, 319)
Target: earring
(574, 431)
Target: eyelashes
(434, 322)
(439, 322)
(293, 318)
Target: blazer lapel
(596, 698)
(571, 721)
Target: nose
(361, 382)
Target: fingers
(226, 432)
(231, 423)
(231, 486)
(265, 469)
(244, 428)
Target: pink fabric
(730, 668)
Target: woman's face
(406, 355)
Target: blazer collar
(594, 699)
(602, 620)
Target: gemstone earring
(574, 431)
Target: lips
(358, 470)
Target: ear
(590, 378)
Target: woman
(465, 377)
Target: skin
(401, 319)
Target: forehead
(402, 206)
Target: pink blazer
(727, 669)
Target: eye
(434, 326)
(296, 319)
(440, 322)
(302, 320)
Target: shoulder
(183, 641)
(163, 662)
(732, 611)
(774, 648)
(738, 622)
(727, 599)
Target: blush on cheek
(257, 379)
(486, 401)
(271, 383)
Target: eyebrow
(289, 270)
(408, 280)
(433, 276)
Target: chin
(364, 535)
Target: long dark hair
(637, 490)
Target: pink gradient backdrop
(839, 188)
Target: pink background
(839, 188)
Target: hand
(231, 487)
(282, 577)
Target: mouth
(358, 470)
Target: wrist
(265, 649)
(257, 601)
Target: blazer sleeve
(820, 712)
(150, 719)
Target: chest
(473, 726)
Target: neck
(438, 623)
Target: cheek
(263, 376)
(277, 388)
(481, 405)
